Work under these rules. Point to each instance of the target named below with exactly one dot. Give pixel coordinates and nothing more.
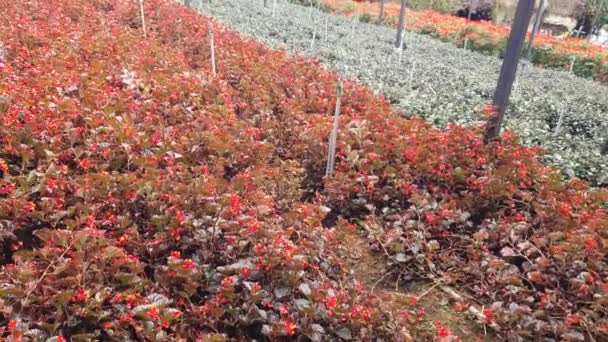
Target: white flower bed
(437, 81)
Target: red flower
(489, 110)
(565, 210)
(331, 302)
(488, 315)
(442, 331)
(572, 319)
(81, 295)
(153, 313)
(245, 272)
(189, 264)
(290, 327)
(227, 282)
(84, 164)
(253, 227)
(432, 218)
(459, 306)
(590, 244)
(3, 168)
(176, 255)
(283, 310)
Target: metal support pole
(508, 70)
(400, 24)
(469, 14)
(535, 28)
(381, 18)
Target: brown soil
(370, 268)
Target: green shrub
(365, 18)
(443, 6)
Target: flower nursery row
(590, 60)
(439, 82)
(144, 198)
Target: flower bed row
(142, 198)
(590, 60)
(440, 83)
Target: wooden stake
(331, 154)
(143, 17)
(212, 43)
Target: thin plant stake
(314, 35)
(572, 65)
(331, 154)
(311, 10)
(401, 45)
(326, 25)
(409, 81)
(212, 43)
(560, 122)
(143, 17)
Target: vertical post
(399, 38)
(572, 65)
(212, 43)
(537, 21)
(265, 3)
(469, 14)
(331, 154)
(508, 70)
(143, 17)
(401, 42)
(310, 11)
(381, 17)
(354, 20)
